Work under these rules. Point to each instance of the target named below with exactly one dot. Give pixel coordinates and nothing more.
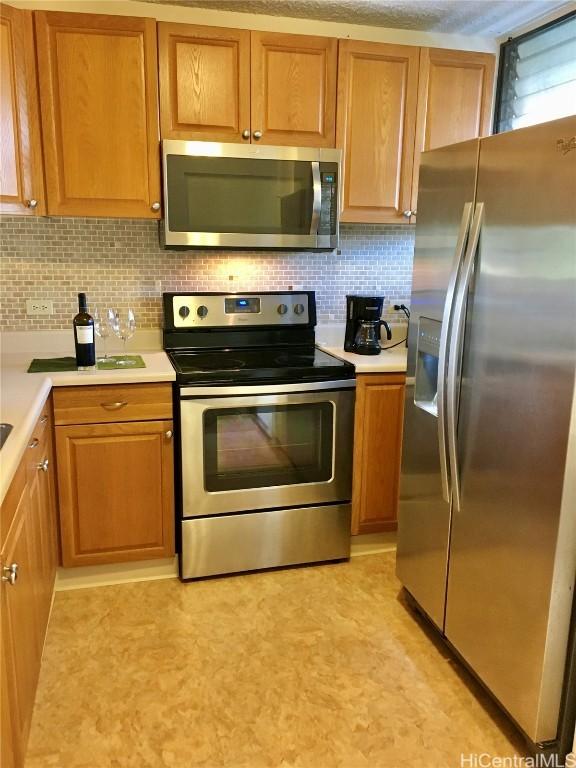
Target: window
(537, 76)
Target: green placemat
(63, 364)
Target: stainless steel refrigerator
(487, 522)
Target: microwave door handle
(443, 352)
(317, 200)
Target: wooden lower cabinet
(30, 546)
(116, 491)
(377, 451)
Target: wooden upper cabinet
(204, 82)
(377, 96)
(454, 99)
(99, 104)
(21, 181)
(294, 89)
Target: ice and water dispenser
(427, 352)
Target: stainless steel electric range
(265, 427)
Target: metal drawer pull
(168, 434)
(10, 573)
(113, 406)
(34, 443)
(44, 419)
(43, 465)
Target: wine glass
(103, 328)
(124, 324)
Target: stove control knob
(282, 309)
(184, 312)
(299, 308)
(202, 311)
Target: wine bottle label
(85, 335)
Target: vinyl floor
(316, 667)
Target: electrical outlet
(39, 307)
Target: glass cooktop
(241, 365)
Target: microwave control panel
(329, 207)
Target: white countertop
(23, 395)
(388, 361)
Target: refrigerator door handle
(455, 353)
(444, 336)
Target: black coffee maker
(363, 325)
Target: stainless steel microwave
(250, 196)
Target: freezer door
(446, 194)
(513, 545)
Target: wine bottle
(84, 336)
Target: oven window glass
(260, 446)
(228, 194)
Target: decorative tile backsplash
(119, 263)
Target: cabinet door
(116, 492)
(98, 95)
(454, 100)
(377, 452)
(293, 89)
(21, 182)
(377, 92)
(204, 82)
(21, 636)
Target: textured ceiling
(490, 18)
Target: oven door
(230, 195)
(265, 447)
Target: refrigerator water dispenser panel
(427, 352)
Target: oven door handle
(317, 200)
(265, 389)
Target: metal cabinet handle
(43, 465)
(444, 336)
(407, 214)
(317, 202)
(10, 573)
(44, 419)
(168, 434)
(245, 133)
(257, 135)
(34, 443)
(31, 203)
(113, 406)
(155, 206)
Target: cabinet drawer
(43, 424)
(109, 403)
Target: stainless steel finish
(155, 206)
(168, 434)
(267, 152)
(447, 183)
(246, 133)
(32, 203)
(236, 239)
(443, 356)
(280, 537)
(257, 135)
(34, 443)
(266, 389)
(113, 406)
(215, 315)
(197, 501)
(513, 542)
(10, 573)
(43, 465)
(455, 356)
(5, 430)
(317, 204)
